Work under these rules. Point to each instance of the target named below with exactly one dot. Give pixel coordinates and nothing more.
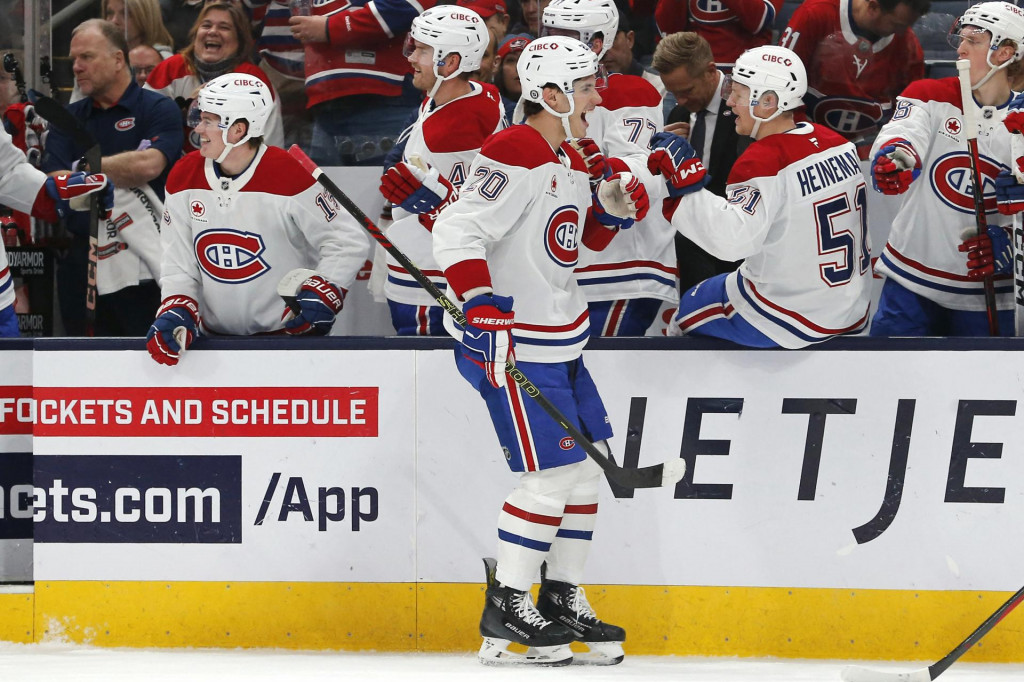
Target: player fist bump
(415, 187)
(620, 200)
(318, 303)
(175, 327)
(894, 167)
(488, 334)
(71, 192)
(989, 253)
(673, 157)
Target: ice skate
(567, 604)
(511, 617)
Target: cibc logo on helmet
(776, 59)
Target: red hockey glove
(71, 191)
(673, 157)
(620, 200)
(488, 335)
(175, 327)
(592, 156)
(894, 167)
(990, 253)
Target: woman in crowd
(220, 42)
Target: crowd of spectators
(343, 87)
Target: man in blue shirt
(140, 137)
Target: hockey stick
(1016, 152)
(58, 116)
(963, 68)
(644, 477)
(857, 674)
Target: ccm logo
(567, 443)
(776, 59)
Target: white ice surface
(67, 663)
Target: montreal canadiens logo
(562, 236)
(951, 180)
(125, 123)
(231, 256)
(847, 115)
(567, 443)
(710, 12)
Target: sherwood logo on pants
(138, 498)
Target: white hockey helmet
(450, 29)
(1003, 20)
(583, 19)
(772, 69)
(558, 61)
(235, 96)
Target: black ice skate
(510, 616)
(567, 604)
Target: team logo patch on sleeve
(562, 236)
(230, 256)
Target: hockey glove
(488, 334)
(416, 189)
(592, 156)
(1014, 120)
(673, 157)
(319, 303)
(620, 200)
(175, 327)
(894, 167)
(71, 192)
(988, 254)
(1009, 194)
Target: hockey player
(922, 154)
(445, 45)
(794, 211)
(239, 217)
(509, 241)
(25, 188)
(626, 283)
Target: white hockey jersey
(128, 250)
(448, 138)
(228, 242)
(641, 261)
(796, 213)
(517, 227)
(19, 185)
(921, 253)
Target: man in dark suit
(687, 68)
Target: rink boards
(859, 500)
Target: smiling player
(240, 216)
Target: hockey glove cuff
(488, 335)
(988, 254)
(71, 192)
(175, 327)
(319, 303)
(894, 167)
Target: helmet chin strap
(228, 146)
(992, 69)
(758, 120)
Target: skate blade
(600, 653)
(495, 651)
